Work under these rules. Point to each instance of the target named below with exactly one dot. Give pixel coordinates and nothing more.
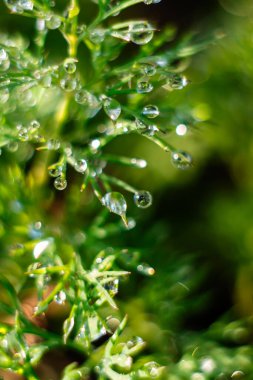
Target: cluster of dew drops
(140, 33)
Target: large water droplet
(55, 171)
(60, 183)
(152, 369)
(53, 144)
(4, 60)
(80, 165)
(60, 298)
(148, 69)
(14, 6)
(97, 35)
(176, 82)
(143, 199)
(112, 108)
(181, 160)
(26, 5)
(151, 111)
(115, 202)
(181, 129)
(141, 33)
(68, 84)
(70, 65)
(112, 287)
(23, 134)
(53, 22)
(144, 86)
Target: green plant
(59, 116)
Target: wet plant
(58, 118)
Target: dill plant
(57, 119)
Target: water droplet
(53, 22)
(237, 375)
(112, 108)
(14, 6)
(112, 287)
(68, 84)
(181, 160)
(97, 35)
(60, 183)
(40, 248)
(26, 5)
(141, 33)
(115, 202)
(82, 96)
(176, 82)
(143, 199)
(151, 111)
(81, 165)
(95, 144)
(23, 134)
(181, 129)
(145, 269)
(144, 86)
(12, 146)
(34, 126)
(70, 65)
(148, 2)
(55, 171)
(4, 95)
(139, 163)
(60, 298)
(152, 369)
(4, 60)
(208, 365)
(135, 341)
(148, 69)
(46, 81)
(53, 144)
(3, 55)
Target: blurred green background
(199, 233)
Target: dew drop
(5, 64)
(145, 269)
(4, 95)
(46, 81)
(69, 65)
(144, 86)
(55, 171)
(148, 69)
(181, 160)
(80, 165)
(115, 202)
(53, 144)
(53, 22)
(112, 287)
(60, 183)
(150, 111)
(141, 33)
(14, 6)
(97, 35)
(135, 341)
(68, 84)
(23, 134)
(181, 129)
(12, 146)
(148, 2)
(143, 199)
(112, 108)
(60, 298)
(152, 369)
(33, 126)
(177, 82)
(26, 5)
(82, 96)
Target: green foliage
(58, 118)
